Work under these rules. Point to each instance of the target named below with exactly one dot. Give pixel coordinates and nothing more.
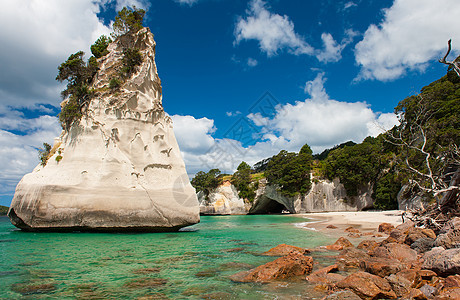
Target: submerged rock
(119, 168)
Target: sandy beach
(366, 222)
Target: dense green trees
(241, 179)
(99, 48)
(78, 75)
(355, 165)
(290, 172)
(206, 182)
(128, 20)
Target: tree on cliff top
(128, 20)
(242, 181)
(206, 182)
(290, 172)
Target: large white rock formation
(224, 200)
(119, 168)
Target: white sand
(364, 221)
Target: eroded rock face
(224, 200)
(118, 168)
(326, 195)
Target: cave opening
(270, 207)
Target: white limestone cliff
(118, 168)
(224, 200)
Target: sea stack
(119, 167)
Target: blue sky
(242, 79)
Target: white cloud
(349, 5)
(273, 32)
(188, 2)
(18, 152)
(233, 114)
(332, 51)
(193, 135)
(45, 34)
(130, 3)
(412, 33)
(319, 121)
(252, 62)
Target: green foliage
(326, 152)
(43, 153)
(261, 166)
(78, 75)
(430, 120)
(58, 158)
(69, 113)
(386, 191)
(355, 165)
(114, 83)
(128, 20)
(99, 48)
(206, 182)
(131, 59)
(3, 210)
(290, 172)
(243, 182)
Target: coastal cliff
(119, 167)
(324, 196)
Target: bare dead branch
(453, 63)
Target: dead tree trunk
(454, 64)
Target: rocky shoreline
(402, 262)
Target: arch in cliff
(266, 205)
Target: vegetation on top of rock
(78, 75)
(243, 182)
(99, 48)
(43, 153)
(355, 165)
(128, 20)
(290, 172)
(3, 210)
(206, 182)
(131, 59)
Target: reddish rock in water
(284, 267)
(331, 226)
(386, 227)
(283, 249)
(340, 244)
(367, 286)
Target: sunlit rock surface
(119, 168)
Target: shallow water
(185, 265)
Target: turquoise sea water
(195, 264)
